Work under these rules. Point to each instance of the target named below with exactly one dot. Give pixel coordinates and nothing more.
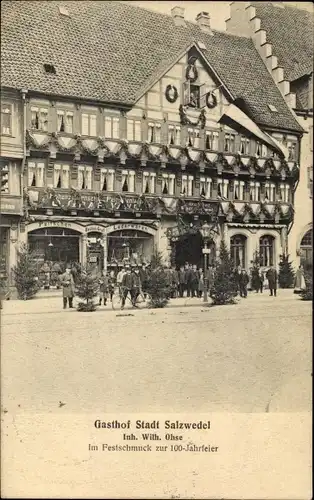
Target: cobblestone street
(250, 357)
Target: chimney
(177, 14)
(203, 21)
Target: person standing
(120, 275)
(299, 281)
(104, 287)
(194, 281)
(243, 283)
(272, 277)
(200, 282)
(126, 285)
(143, 277)
(136, 286)
(68, 286)
(182, 281)
(174, 282)
(210, 278)
(260, 280)
(188, 279)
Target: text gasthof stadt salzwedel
(174, 432)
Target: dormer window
(49, 68)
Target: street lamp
(205, 232)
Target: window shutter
(92, 130)
(130, 133)
(84, 124)
(204, 89)
(186, 92)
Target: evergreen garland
(286, 272)
(25, 274)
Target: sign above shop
(95, 229)
(10, 205)
(135, 227)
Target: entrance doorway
(189, 249)
(95, 252)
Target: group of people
(259, 277)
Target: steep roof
(290, 31)
(108, 51)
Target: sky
(218, 11)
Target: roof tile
(107, 51)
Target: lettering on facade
(135, 227)
(95, 229)
(54, 223)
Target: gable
(156, 101)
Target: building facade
(112, 166)
(283, 36)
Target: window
(270, 191)
(112, 127)
(211, 141)
(167, 184)
(206, 187)
(244, 146)
(238, 190)
(306, 248)
(154, 132)
(134, 130)
(89, 124)
(65, 121)
(264, 151)
(6, 119)
(284, 193)
(149, 182)
(292, 150)
(273, 108)
(255, 191)
(128, 181)
(193, 138)
(84, 178)
(238, 250)
(39, 118)
(187, 185)
(106, 179)
(36, 174)
(194, 96)
(266, 250)
(229, 142)
(258, 149)
(223, 188)
(4, 176)
(61, 176)
(174, 135)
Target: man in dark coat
(194, 281)
(68, 287)
(272, 277)
(182, 281)
(188, 280)
(243, 283)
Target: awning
(242, 119)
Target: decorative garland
(191, 67)
(186, 121)
(213, 103)
(171, 93)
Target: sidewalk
(50, 301)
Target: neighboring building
(11, 168)
(140, 128)
(283, 35)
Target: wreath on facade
(211, 100)
(171, 93)
(191, 68)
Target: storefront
(104, 246)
